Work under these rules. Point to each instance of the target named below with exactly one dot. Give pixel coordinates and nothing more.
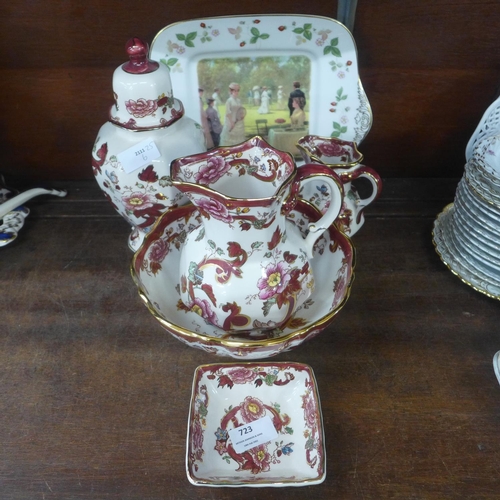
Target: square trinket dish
(229, 398)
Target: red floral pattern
(212, 171)
(142, 107)
(242, 375)
(330, 149)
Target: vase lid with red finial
(142, 91)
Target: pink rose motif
(252, 409)
(216, 209)
(242, 375)
(141, 107)
(215, 168)
(309, 406)
(275, 280)
(159, 250)
(261, 459)
(137, 200)
(203, 309)
(330, 149)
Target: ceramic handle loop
(320, 173)
(362, 171)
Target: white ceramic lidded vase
(146, 130)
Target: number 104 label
(139, 155)
(253, 434)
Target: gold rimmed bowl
(155, 271)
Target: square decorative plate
(233, 396)
(337, 103)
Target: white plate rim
(185, 83)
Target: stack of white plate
(467, 233)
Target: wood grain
(95, 395)
(429, 70)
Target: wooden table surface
(94, 395)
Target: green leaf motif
(332, 48)
(172, 61)
(203, 410)
(305, 31)
(309, 444)
(201, 234)
(266, 307)
(187, 39)
(212, 244)
(340, 94)
(338, 129)
(289, 430)
(194, 273)
(257, 34)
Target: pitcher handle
(362, 171)
(311, 172)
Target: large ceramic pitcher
(247, 266)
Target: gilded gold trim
(236, 343)
(479, 195)
(345, 165)
(284, 482)
(456, 273)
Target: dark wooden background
(430, 69)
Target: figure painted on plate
(296, 92)
(233, 131)
(217, 99)
(204, 123)
(298, 116)
(280, 95)
(256, 96)
(264, 102)
(214, 123)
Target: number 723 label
(253, 434)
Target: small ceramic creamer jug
(344, 159)
(146, 130)
(247, 266)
